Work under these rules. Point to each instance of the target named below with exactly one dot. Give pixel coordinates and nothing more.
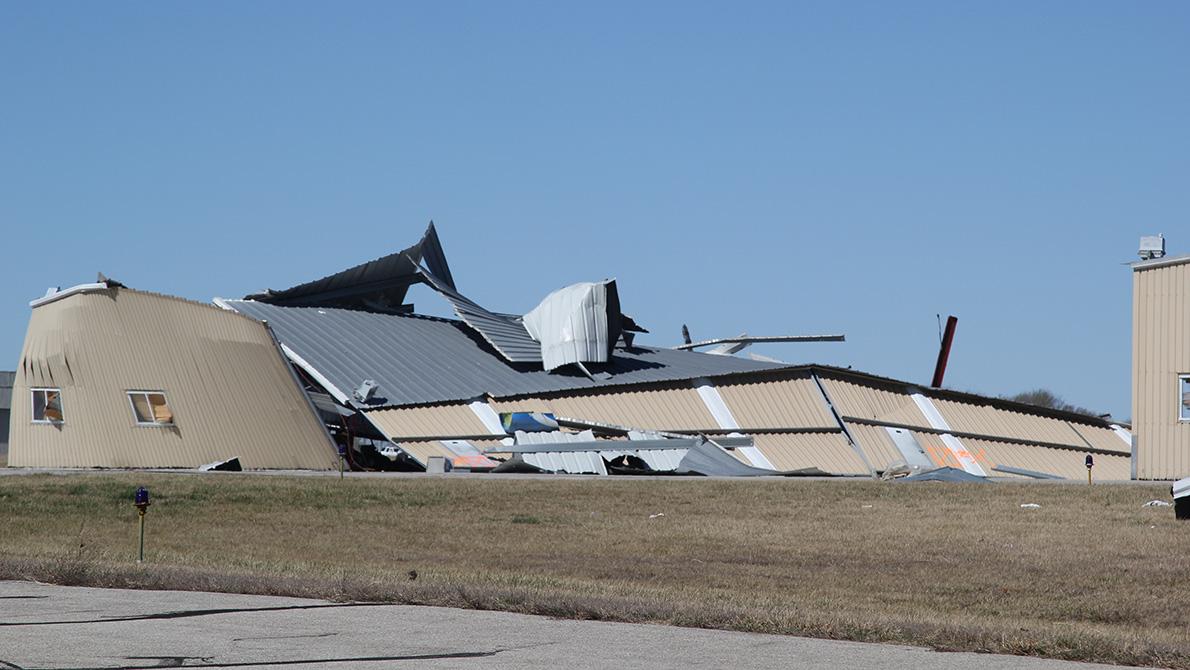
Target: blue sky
(777, 168)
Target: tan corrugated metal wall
(1160, 352)
(647, 407)
(759, 403)
(230, 390)
(1066, 463)
(869, 401)
(429, 421)
(829, 452)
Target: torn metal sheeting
(379, 285)
(421, 360)
(760, 339)
(576, 324)
(230, 465)
(506, 334)
(590, 444)
(705, 458)
(946, 474)
(1033, 474)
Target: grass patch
(1091, 575)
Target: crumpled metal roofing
(505, 333)
(576, 324)
(422, 360)
(382, 281)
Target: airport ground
(1091, 574)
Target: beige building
(112, 377)
(1161, 366)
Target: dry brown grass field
(1090, 575)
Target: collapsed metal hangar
(115, 377)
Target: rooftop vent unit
(1152, 246)
(365, 391)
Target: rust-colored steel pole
(944, 352)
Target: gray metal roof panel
(421, 360)
(506, 334)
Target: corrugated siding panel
(519, 405)
(992, 421)
(872, 402)
(877, 446)
(1161, 351)
(431, 421)
(1102, 438)
(1061, 462)
(229, 388)
(826, 451)
(777, 403)
(938, 452)
(641, 407)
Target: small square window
(47, 406)
(1183, 397)
(150, 408)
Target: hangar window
(1183, 397)
(47, 405)
(150, 408)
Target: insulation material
(828, 452)
(768, 402)
(403, 423)
(873, 402)
(230, 392)
(576, 324)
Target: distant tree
(1047, 398)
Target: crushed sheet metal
(570, 462)
(912, 451)
(421, 360)
(938, 422)
(576, 324)
(713, 461)
(1032, 474)
(383, 281)
(506, 334)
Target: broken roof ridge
(385, 279)
(97, 287)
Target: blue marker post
(141, 502)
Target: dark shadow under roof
(421, 360)
(6, 382)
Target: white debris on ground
(1030, 506)
(1157, 503)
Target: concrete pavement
(44, 626)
